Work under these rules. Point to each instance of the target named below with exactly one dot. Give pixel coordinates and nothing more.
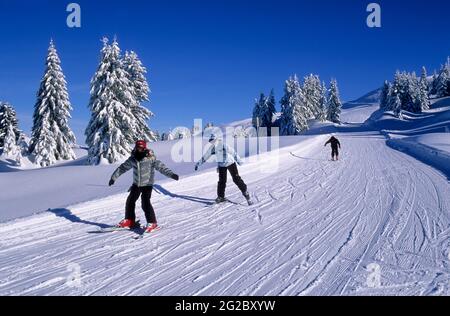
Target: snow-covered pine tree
(157, 136)
(111, 131)
(334, 103)
(414, 92)
(51, 116)
(44, 146)
(258, 111)
(167, 136)
(269, 111)
(423, 92)
(424, 79)
(10, 148)
(406, 86)
(433, 85)
(397, 106)
(322, 115)
(7, 118)
(312, 89)
(443, 81)
(294, 111)
(141, 90)
(384, 97)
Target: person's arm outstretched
(123, 168)
(205, 157)
(163, 169)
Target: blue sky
(210, 59)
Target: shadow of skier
(159, 189)
(68, 215)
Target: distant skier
(335, 146)
(227, 159)
(143, 162)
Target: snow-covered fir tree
(44, 145)
(23, 144)
(264, 111)
(443, 81)
(294, 113)
(259, 110)
(157, 136)
(167, 136)
(414, 90)
(334, 103)
(412, 93)
(140, 90)
(423, 91)
(181, 133)
(11, 150)
(397, 107)
(312, 89)
(384, 97)
(323, 110)
(404, 86)
(51, 116)
(111, 131)
(8, 118)
(433, 84)
(424, 79)
(269, 111)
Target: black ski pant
(334, 152)
(223, 171)
(146, 194)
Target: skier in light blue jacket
(227, 160)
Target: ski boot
(248, 198)
(151, 228)
(127, 224)
(220, 200)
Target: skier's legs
(147, 205)
(130, 209)
(221, 186)
(334, 153)
(237, 178)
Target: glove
(175, 177)
(111, 182)
(196, 167)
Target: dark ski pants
(334, 152)
(146, 194)
(223, 180)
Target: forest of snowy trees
(300, 104)
(118, 118)
(119, 88)
(410, 93)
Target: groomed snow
(317, 228)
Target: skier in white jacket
(227, 160)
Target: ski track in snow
(315, 228)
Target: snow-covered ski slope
(375, 223)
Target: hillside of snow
(425, 136)
(377, 222)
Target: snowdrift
(433, 149)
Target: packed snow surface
(377, 222)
